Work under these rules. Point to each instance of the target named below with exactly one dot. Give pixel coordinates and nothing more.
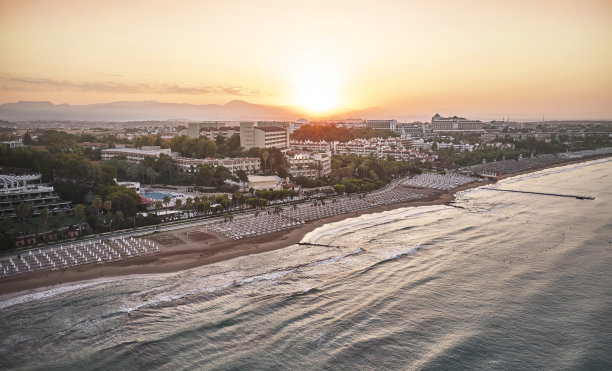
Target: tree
(79, 213)
(264, 156)
(178, 203)
(233, 142)
(97, 204)
(108, 206)
(27, 139)
(242, 176)
(158, 204)
(61, 219)
(166, 201)
(165, 164)
(23, 212)
(44, 214)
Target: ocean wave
(401, 254)
(49, 293)
(373, 219)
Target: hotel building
(455, 124)
(382, 124)
(15, 190)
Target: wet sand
(195, 246)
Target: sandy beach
(195, 246)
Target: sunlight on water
(508, 281)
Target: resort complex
(18, 190)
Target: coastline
(180, 252)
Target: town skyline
(484, 59)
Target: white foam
(373, 219)
(410, 251)
(48, 293)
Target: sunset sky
(483, 59)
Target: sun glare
(317, 89)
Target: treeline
(56, 165)
(378, 170)
(448, 157)
(331, 132)
(203, 148)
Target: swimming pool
(158, 195)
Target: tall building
(264, 134)
(456, 124)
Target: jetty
(579, 197)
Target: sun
(317, 89)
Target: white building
(307, 145)
(264, 134)
(455, 124)
(382, 124)
(258, 182)
(15, 190)
(13, 143)
(134, 156)
(310, 165)
(249, 164)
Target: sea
(495, 281)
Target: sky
(477, 58)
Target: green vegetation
(331, 132)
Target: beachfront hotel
(18, 189)
(455, 124)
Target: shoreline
(180, 252)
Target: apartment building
(264, 134)
(310, 165)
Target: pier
(544, 194)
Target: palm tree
(97, 204)
(166, 201)
(44, 214)
(107, 207)
(264, 156)
(23, 211)
(61, 218)
(178, 203)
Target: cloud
(16, 83)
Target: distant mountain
(151, 110)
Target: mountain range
(235, 110)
